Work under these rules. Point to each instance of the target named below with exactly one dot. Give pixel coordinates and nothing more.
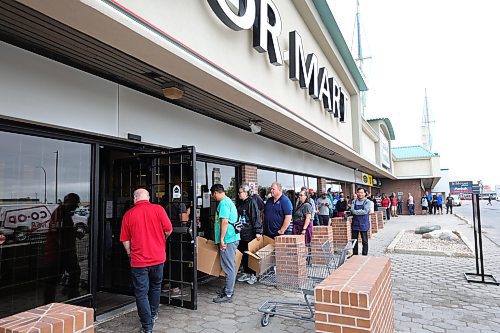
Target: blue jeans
(228, 263)
(147, 288)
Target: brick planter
(341, 231)
(53, 318)
(291, 255)
(374, 222)
(356, 298)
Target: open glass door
(169, 177)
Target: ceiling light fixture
(254, 127)
(172, 90)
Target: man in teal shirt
(227, 239)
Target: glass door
(169, 177)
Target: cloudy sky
(450, 48)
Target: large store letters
(265, 20)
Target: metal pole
(57, 164)
(474, 218)
(480, 237)
(45, 183)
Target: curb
(392, 246)
(463, 218)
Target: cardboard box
(209, 258)
(261, 255)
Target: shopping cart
(300, 273)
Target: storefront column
(321, 185)
(249, 175)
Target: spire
(360, 58)
(426, 125)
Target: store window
(44, 221)
(300, 181)
(265, 178)
(313, 183)
(287, 184)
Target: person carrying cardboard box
(250, 216)
(227, 238)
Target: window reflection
(44, 221)
(264, 179)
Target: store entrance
(169, 176)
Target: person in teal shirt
(227, 239)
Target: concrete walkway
(430, 294)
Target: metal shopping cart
(300, 273)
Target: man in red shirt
(145, 228)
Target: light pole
(57, 165)
(45, 182)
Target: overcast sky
(450, 48)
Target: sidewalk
(430, 294)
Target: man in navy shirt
(277, 213)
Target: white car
(456, 200)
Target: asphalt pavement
(490, 217)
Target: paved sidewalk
(430, 294)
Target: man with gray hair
(277, 213)
(145, 228)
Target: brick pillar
(321, 185)
(341, 231)
(374, 222)
(321, 235)
(291, 253)
(249, 175)
(380, 219)
(53, 317)
(356, 298)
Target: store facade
(98, 98)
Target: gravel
(410, 241)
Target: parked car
(456, 200)
(81, 220)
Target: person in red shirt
(394, 205)
(386, 202)
(145, 229)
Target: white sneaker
(252, 279)
(244, 277)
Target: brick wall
(291, 256)
(406, 186)
(53, 318)
(356, 298)
(341, 231)
(321, 235)
(249, 174)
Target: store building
(98, 98)
(417, 170)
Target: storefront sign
(461, 187)
(367, 179)
(265, 20)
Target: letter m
(302, 69)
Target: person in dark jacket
(341, 205)
(248, 207)
(360, 211)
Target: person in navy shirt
(277, 213)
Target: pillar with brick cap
(374, 222)
(291, 253)
(380, 219)
(357, 297)
(320, 236)
(341, 231)
(54, 318)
